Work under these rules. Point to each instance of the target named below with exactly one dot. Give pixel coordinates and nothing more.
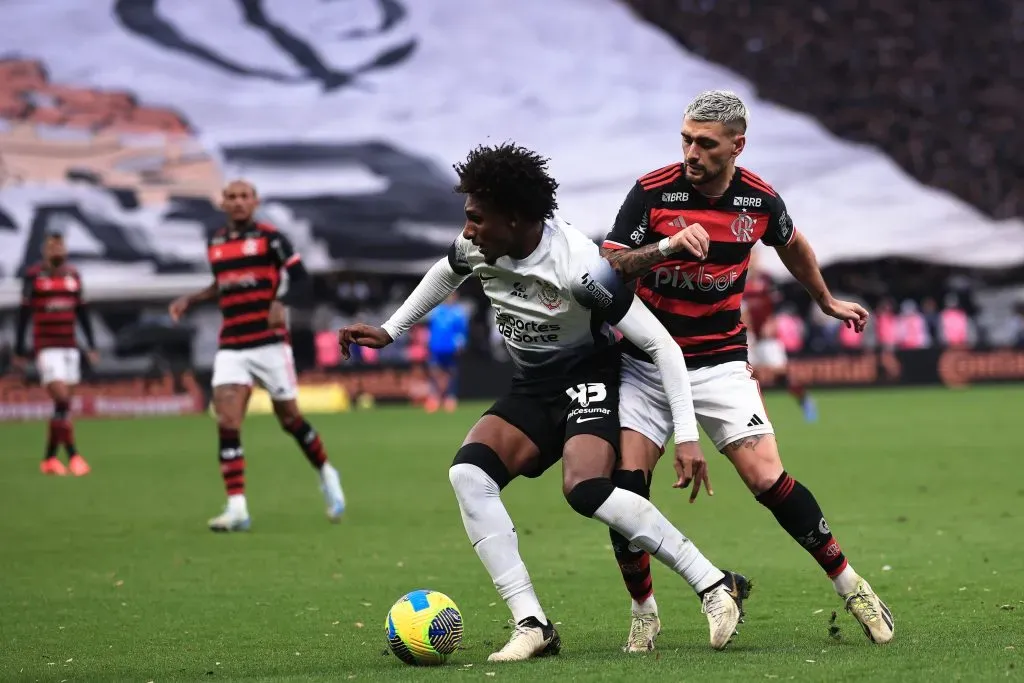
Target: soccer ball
(423, 628)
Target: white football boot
(873, 615)
(723, 606)
(642, 632)
(234, 518)
(529, 639)
(334, 497)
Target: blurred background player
(247, 258)
(767, 353)
(449, 329)
(52, 299)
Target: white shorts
(271, 366)
(726, 399)
(59, 365)
(768, 353)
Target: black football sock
(799, 514)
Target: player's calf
(312, 446)
(798, 512)
(477, 476)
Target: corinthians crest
(549, 296)
(743, 228)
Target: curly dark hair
(510, 179)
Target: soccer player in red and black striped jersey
(52, 299)
(685, 233)
(247, 258)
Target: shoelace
(518, 631)
(714, 604)
(638, 635)
(859, 601)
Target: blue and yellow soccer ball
(423, 628)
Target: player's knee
(587, 496)
(482, 457)
(636, 481)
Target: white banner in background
(121, 119)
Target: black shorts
(585, 402)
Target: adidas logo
(755, 421)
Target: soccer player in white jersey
(555, 297)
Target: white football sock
(237, 506)
(493, 536)
(648, 606)
(846, 581)
(637, 519)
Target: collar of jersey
(538, 253)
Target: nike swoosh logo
(588, 419)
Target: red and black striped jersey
(247, 265)
(698, 302)
(53, 297)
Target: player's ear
(740, 142)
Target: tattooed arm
(633, 263)
(624, 245)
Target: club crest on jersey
(549, 296)
(250, 247)
(743, 228)
(70, 283)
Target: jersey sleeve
(284, 253)
(595, 285)
(631, 222)
(458, 256)
(780, 230)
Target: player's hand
(94, 357)
(694, 239)
(853, 315)
(691, 466)
(178, 308)
(278, 314)
(362, 335)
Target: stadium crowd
(900, 76)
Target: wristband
(665, 247)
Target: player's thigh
(231, 383)
(592, 430)
(644, 415)
(505, 432)
(727, 401)
(273, 367)
(59, 369)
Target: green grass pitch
(114, 577)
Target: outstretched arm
(798, 257)
(436, 286)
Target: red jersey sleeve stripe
(758, 184)
(295, 258)
(609, 244)
(657, 172)
(661, 180)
